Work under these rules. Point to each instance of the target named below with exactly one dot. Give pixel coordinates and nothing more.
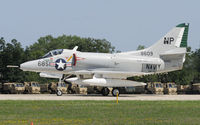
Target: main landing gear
(105, 91)
(115, 92)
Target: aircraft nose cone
(24, 66)
(27, 66)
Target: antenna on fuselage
(75, 48)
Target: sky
(124, 23)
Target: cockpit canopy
(53, 53)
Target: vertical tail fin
(175, 40)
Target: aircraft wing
(105, 74)
(110, 74)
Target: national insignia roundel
(60, 64)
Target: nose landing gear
(59, 93)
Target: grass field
(99, 112)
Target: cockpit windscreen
(53, 53)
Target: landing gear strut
(115, 91)
(105, 91)
(59, 93)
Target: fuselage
(93, 61)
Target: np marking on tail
(168, 40)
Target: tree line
(12, 53)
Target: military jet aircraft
(111, 70)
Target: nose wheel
(59, 93)
(115, 91)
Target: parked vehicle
(196, 88)
(154, 88)
(170, 88)
(54, 87)
(184, 89)
(13, 88)
(73, 88)
(83, 90)
(44, 88)
(32, 88)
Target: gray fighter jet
(111, 70)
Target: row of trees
(12, 53)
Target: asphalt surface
(96, 97)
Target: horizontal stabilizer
(175, 51)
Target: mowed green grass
(99, 112)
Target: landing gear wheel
(59, 93)
(115, 91)
(105, 91)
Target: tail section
(174, 56)
(172, 41)
(171, 48)
(176, 38)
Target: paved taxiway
(96, 97)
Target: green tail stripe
(185, 34)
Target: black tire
(115, 91)
(105, 91)
(59, 93)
